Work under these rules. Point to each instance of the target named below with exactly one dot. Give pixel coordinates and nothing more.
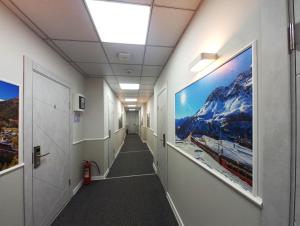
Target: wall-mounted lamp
(202, 61)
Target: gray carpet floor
(133, 143)
(132, 163)
(127, 201)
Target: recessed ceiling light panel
(120, 22)
(129, 86)
(130, 99)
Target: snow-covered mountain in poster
(214, 119)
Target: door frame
(31, 67)
(164, 89)
(293, 158)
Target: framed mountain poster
(214, 119)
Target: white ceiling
(67, 27)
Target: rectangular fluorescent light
(129, 86)
(118, 22)
(130, 99)
(202, 61)
(131, 110)
(131, 105)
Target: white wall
(93, 115)
(16, 41)
(150, 110)
(96, 117)
(226, 26)
(98, 94)
(118, 108)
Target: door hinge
(69, 182)
(291, 37)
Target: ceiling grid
(68, 28)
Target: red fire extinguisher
(87, 172)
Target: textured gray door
(51, 133)
(162, 136)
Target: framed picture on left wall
(9, 125)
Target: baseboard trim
(178, 218)
(150, 149)
(78, 186)
(154, 167)
(103, 177)
(118, 152)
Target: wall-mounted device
(78, 102)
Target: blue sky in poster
(189, 100)
(8, 91)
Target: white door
(162, 136)
(110, 133)
(50, 181)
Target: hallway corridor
(131, 194)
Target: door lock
(37, 156)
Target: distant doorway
(132, 119)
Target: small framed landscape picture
(9, 125)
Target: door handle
(40, 156)
(37, 156)
(164, 140)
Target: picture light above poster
(202, 61)
(215, 121)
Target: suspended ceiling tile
(145, 93)
(83, 51)
(157, 55)
(130, 95)
(96, 69)
(128, 79)
(65, 19)
(148, 80)
(111, 79)
(130, 92)
(127, 70)
(25, 19)
(146, 87)
(143, 2)
(115, 87)
(136, 53)
(183, 4)
(151, 70)
(58, 50)
(167, 25)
